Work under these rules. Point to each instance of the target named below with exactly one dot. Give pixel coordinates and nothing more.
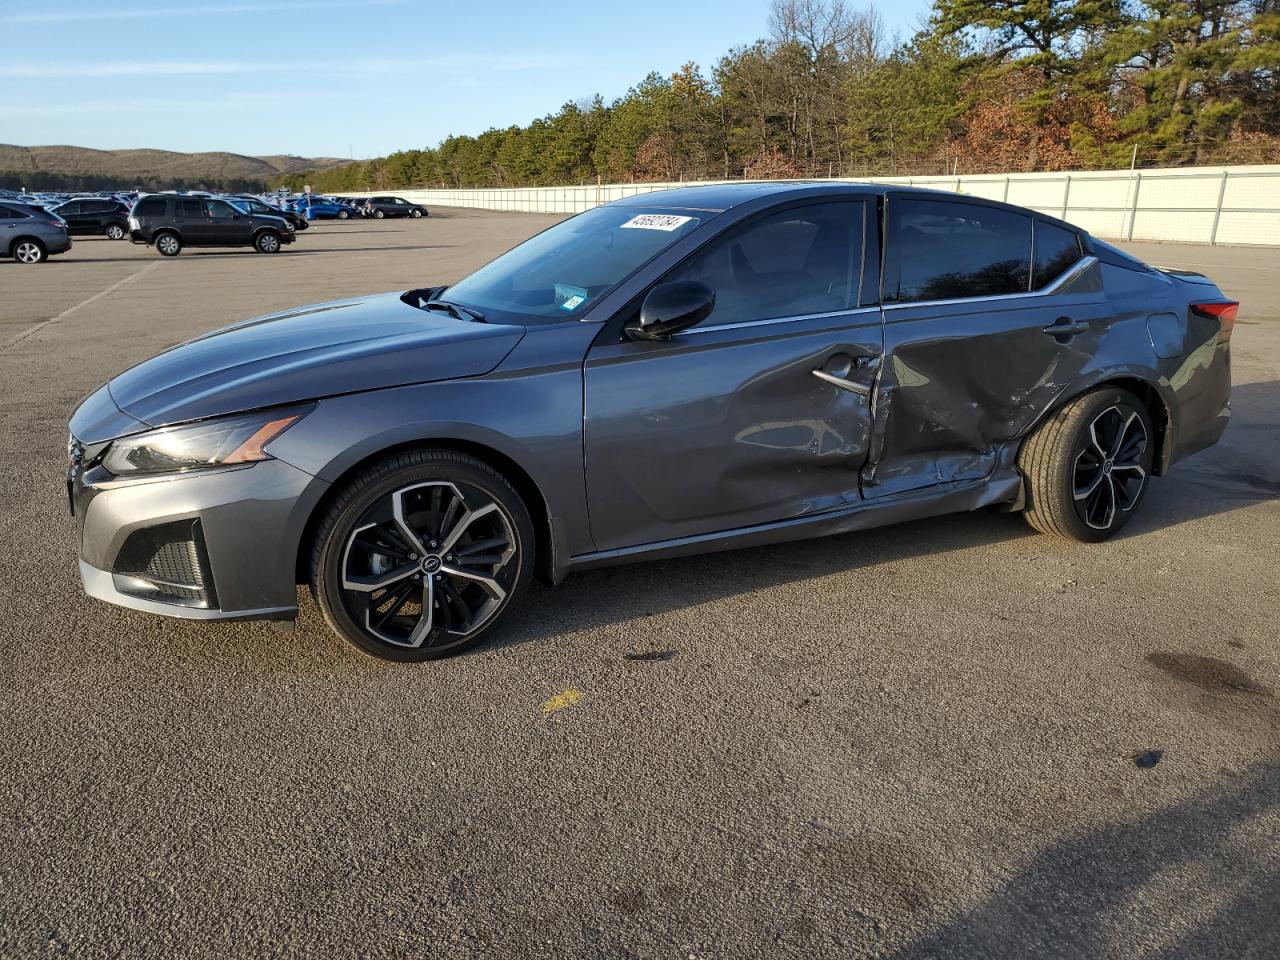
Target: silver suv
(31, 234)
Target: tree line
(983, 86)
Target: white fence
(1231, 205)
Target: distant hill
(60, 167)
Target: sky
(340, 78)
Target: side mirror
(670, 308)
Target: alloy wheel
(115, 232)
(1109, 475)
(429, 564)
(268, 243)
(28, 252)
(168, 245)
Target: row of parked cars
(34, 227)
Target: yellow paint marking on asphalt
(565, 698)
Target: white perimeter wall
(1232, 205)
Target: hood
(323, 350)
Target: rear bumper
(58, 244)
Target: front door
(982, 334)
(759, 413)
(225, 225)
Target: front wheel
(343, 215)
(421, 555)
(115, 232)
(267, 242)
(1087, 466)
(417, 214)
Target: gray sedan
(685, 371)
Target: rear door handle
(1066, 327)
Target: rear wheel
(168, 244)
(343, 215)
(1088, 465)
(115, 231)
(268, 241)
(378, 214)
(30, 251)
(421, 555)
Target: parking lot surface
(913, 742)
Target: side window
(800, 261)
(940, 250)
(7, 213)
(69, 209)
(149, 207)
(1056, 250)
(218, 210)
(190, 209)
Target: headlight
(213, 443)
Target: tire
(378, 214)
(28, 250)
(168, 243)
(267, 241)
(343, 215)
(1088, 466)
(115, 231)
(369, 577)
(417, 214)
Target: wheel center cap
(431, 564)
(1106, 467)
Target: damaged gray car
(684, 371)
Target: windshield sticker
(656, 221)
(570, 297)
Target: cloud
(137, 13)
(450, 63)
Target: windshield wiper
(455, 309)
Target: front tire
(421, 555)
(268, 241)
(417, 214)
(343, 215)
(1087, 467)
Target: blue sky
(339, 77)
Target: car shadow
(1193, 880)
(189, 253)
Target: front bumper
(239, 562)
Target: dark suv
(95, 217)
(172, 222)
(379, 207)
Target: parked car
(672, 373)
(322, 208)
(91, 216)
(30, 233)
(250, 205)
(172, 222)
(379, 207)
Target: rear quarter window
(150, 207)
(1056, 250)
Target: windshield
(560, 272)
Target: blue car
(322, 208)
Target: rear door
(10, 221)
(190, 218)
(72, 212)
(989, 315)
(727, 425)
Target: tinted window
(942, 251)
(68, 209)
(1056, 249)
(8, 213)
(149, 207)
(219, 210)
(800, 261)
(191, 208)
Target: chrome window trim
(856, 311)
(1068, 277)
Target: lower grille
(166, 563)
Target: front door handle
(836, 372)
(1066, 327)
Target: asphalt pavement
(917, 742)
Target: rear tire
(1087, 467)
(115, 231)
(421, 555)
(343, 215)
(29, 250)
(268, 241)
(168, 243)
(378, 214)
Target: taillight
(1223, 311)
